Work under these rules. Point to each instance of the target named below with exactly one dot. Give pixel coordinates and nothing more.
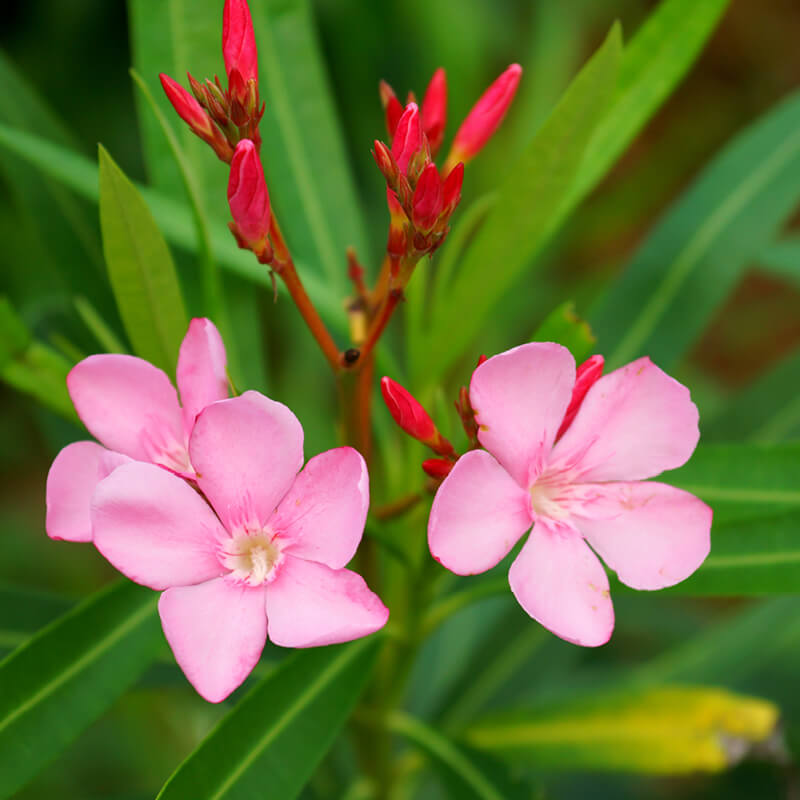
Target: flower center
(548, 498)
(252, 557)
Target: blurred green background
(76, 55)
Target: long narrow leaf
(67, 675)
(268, 746)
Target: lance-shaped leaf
(564, 326)
(69, 673)
(268, 746)
(669, 730)
(141, 269)
(697, 253)
(527, 209)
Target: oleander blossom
(132, 409)
(260, 553)
(584, 490)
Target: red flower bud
(586, 376)
(386, 164)
(434, 110)
(196, 117)
(239, 40)
(407, 137)
(392, 107)
(248, 196)
(451, 192)
(485, 117)
(438, 468)
(407, 412)
(427, 202)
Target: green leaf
(564, 326)
(697, 253)
(304, 155)
(742, 481)
(91, 318)
(23, 611)
(141, 269)
(69, 673)
(464, 774)
(32, 367)
(669, 730)
(766, 411)
(269, 745)
(528, 208)
(782, 258)
(654, 62)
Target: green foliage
(69, 673)
(564, 326)
(281, 729)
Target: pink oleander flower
(132, 409)
(262, 553)
(584, 491)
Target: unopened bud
(586, 376)
(437, 468)
(434, 110)
(407, 412)
(386, 164)
(195, 116)
(451, 192)
(485, 117)
(239, 40)
(427, 202)
(248, 196)
(392, 107)
(407, 137)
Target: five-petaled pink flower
(264, 556)
(131, 408)
(584, 488)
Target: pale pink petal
(72, 479)
(634, 423)
(520, 398)
(478, 515)
(128, 405)
(154, 528)
(247, 452)
(309, 604)
(201, 374)
(559, 581)
(322, 516)
(217, 631)
(652, 535)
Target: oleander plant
(373, 443)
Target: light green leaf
(742, 481)
(782, 258)
(102, 333)
(528, 208)
(697, 253)
(141, 269)
(668, 730)
(69, 673)
(564, 326)
(268, 746)
(654, 62)
(32, 367)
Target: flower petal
(127, 404)
(478, 515)
(247, 452)
(652, 536)
(71, 482)
(154, 528)
(309, 604)
(217, 631)
(201, 374)
(520, 398)
(634, 423)
(559, 581)
(322, 516)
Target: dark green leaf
(141, 269)
(68, 674)
(782, 258)
(268, 746)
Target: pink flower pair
(571, 458)
(259, 550)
